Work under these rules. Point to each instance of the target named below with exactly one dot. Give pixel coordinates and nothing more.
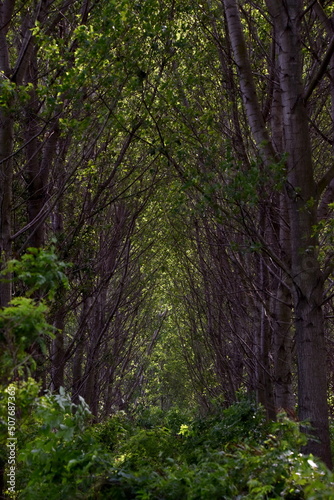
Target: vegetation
(166, 249)
(233, 453)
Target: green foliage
(114, 430)
(20, 397)
(25, 393)
(40, 270)
(150, 417)
(22, 324)
(234, 454)
(241, 420)
(24, 320)
(7, 91)
(59, 457)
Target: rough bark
(281, 304)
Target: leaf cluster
(40, 270)
(61, 458)
(23, 323)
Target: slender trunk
(57, 352)
(247, 83)
(78, 358)
(108, 399)
(6, 175)
(92, 371)
(264, 383)
(57, 346)
(36, 169)
(6, 150)
(282, 301)
(283, 349)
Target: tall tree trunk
(57, 346)
(282, 300)
(37, 164)
(301, 196)
(78, 357)
(283, 350)
(6, 175)
(308, 283)
(6, 150)
(92, 369)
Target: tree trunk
(301, 192)
(301, 195)
(283, 351)
(6, 175)
(264, 385)
(58, 352)
(37, 162)
(78, 357)
(282, 301)
(6, 150)
(57, 346)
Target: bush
(114, 430)
(62, 459)
(234, 455)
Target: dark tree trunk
(301, 192)
(301, 198)
(6, 150)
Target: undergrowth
(232, 454)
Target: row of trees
(180, 156)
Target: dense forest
(166, 246)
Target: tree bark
(301, 196)
(283, 351)
(6, 175)
(6, 150)
(308, 283)
(247, 83)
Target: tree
(302, 195)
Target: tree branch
(247, 84)
(321, 71)
(325, 180)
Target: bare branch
(321, 71)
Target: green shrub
(234, 455)
(40, 270)
(23, 323)
(149, 417)
(62, 459)
(114, 430)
